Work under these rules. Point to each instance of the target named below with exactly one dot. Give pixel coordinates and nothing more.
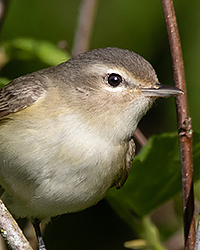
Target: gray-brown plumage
(20, 94)
(65, 131)
(24, 91)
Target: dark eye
(114, 79)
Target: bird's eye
(114, 79)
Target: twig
(11, 232)
(140, 137)
(85, 26)
(3, 11)
(184, 125)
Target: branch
(184, 125)
(85, 26)
(142, 140)
(11, 232)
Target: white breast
(59, 168)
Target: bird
(66, 132)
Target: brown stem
(140, 137)
(85, 25)
(184, 125)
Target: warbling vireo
(65, 131)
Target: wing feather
(21, 93)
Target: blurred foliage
(30, 41)
(24, 55)
(144, 191)
(155, 176)
(28, 48)
(3, 82)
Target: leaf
(27, 48)
(155, 176)
(3, 82)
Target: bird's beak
(161, 91)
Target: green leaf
(155, 176)
(3, 82)
(28, 48)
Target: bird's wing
(129, 158)
(21, 93)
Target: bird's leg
(36, 224)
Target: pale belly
(44, 176)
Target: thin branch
(85, 26)
(184, 125)
(11, 232)
(140, 137)
(3, 11)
